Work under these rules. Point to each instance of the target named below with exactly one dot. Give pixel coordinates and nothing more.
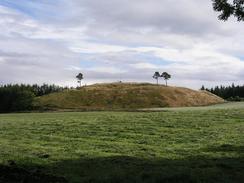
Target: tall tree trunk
(166, 82)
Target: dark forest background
(230, 93)
(15, 98)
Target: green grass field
(226, 105)
(168, 146)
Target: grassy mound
(127, 96)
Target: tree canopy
(166, 77)
(79, 77)
(236, 8)
(156, 76)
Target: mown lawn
(170, 146)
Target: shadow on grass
(25, 174)
(131, 169)
(227, 148)
(125, 169)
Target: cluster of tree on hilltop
(232, 93)
(20, 97)
(164, 75)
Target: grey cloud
(185, 16)
(38, 49)
(106, 17)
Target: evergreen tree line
(231, 93)
(15, 98)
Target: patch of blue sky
(144, 57)
(16, 6)
(41, 10)
(86, 62)
(241, 58)
(149, 58)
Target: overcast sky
(43, 41)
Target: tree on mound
(79, 77)
(202, 88)
(156, 76)
(166, 77)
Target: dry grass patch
(127, 96)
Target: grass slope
(127, 96)
(229, 105)
(171, 146)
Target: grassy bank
(170, 146)
(114, 96)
